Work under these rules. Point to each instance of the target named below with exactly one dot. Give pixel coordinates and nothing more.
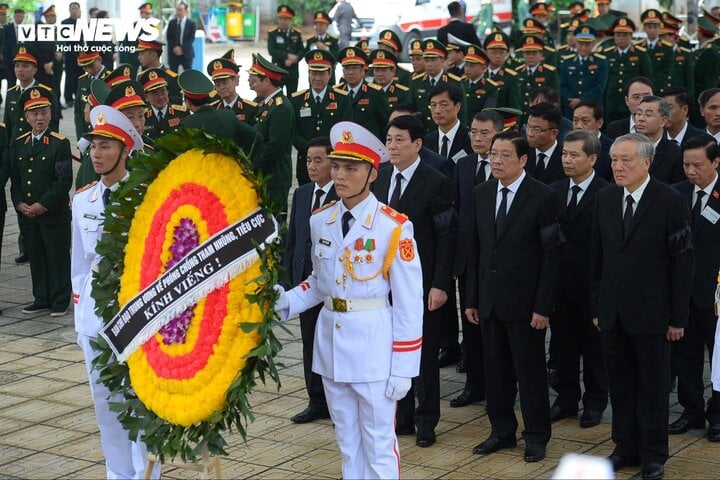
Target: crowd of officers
(563, 113)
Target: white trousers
(715, 367)
(365, 429)
(124, 459)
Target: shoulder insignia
(417, 76)
(394, 214)
(84, 75)
(339, 90)
(250, 103)
(374, 86)
(609, 49)
(59, 136)
(330, 35)
(549, 49)
(454, 77)
(179, 108)
(298, 93)
(278, 101)
(562, 47)
(568, 57)
(510, 71)
(170, 73)
(274, 29)
(491, 82)
(521, 68)
(666, 43)
(641, 48)
(564, 25)
(2, 124)
(14, 87)
(45, 86)
(23, 135)
(600, 55)
(401, 87)
(548, 67)
(298, 31)
(684, 49)
(638, 42)
(324, 207)
(86, 187)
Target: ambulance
(415, 19)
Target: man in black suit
(651, 117)
(457, 32)
(72, 70)
(547, 94)
(442, 165)
(544, 163)
(511, 275)
(709, 102)
(471, 171)
(180, 38)
(451, 139)
(573, 332)
(636, 89)
(701, 157)
(298, 265)
(11, 35)
(679, 129)
(588, 115)
(641, 280)
(426, 197)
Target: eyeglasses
(537, 130)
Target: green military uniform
(395, 93)
(543, 75)
(537, 30)
(482, 92)
(157, 127)
(170, 77)
(622, 68)
(14, 117)
(389, 41)
(326, 42)
(244, 110)
(83, 90)
(707, 59)
(682, 71)
(225, 67)
(661, 52)
(586, 79)
(41, 173)
(282, 43)
(508, 94)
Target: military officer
(127, 96)
(535, 28)
(370, 107)
(683, 64)
(434, 54)
(583, 75)
(570, 45)
(416, 59)
(162, 117)
(534, 72)
(625, 62)
(285, 47)
(577, 10)
(389, 40)
(322, 40)
(385, 65)
(149, 54)
(86, 172)
(225, 76)
(91, 63)
(497, 47)
(366, 349)
(541, 12)
(318, 108)
(275, 120)
(707, 56)
(480, 91)
(113, 138)
(123, 73)
(41, 179)
(660, 52)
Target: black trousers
(515, 357)
(688, 359)
(174, 62)
(426, 387)
(48, 249)
(449, 322)
(72, 72)
(576, 338)
(313, 381)
(638, 372)
(472, 350)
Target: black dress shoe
(590, 418)
(653, 471)
(682, 425)
(534, 452)
(620, 461)
(466, 398)
(425, 439)
(22, 258)
(558, 412)
(404, 430)
(493, 444)
(448, 357)
(713, 433)
(310, 414)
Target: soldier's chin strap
(117, 162)
(367, 179)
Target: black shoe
(534, 452)
(22, 258)
(58, 312)
(493, 444)
(620, 461)
(460, 368)
(425, 439)
(558, 412)
(448, 356)
(653, 471)
(404, 430)
(590, 418)
(682, 425)
(713, 433)
(466, 398)
(33, 308)
(310, 414)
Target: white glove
(282, 306)
(397, 387)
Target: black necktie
(106, 197)
(160, 115)
(697, 208)
(444, 147)
(627, 218)
(432, 82)
(352, 95)
(540, 167)
(318, 193)
(318, 100)
(480, 176)
(395, 197)
(347, 216)
(501, 215)
(573, 200)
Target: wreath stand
(204, 466)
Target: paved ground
(48, 430)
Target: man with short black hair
(709, 101)
(651, 117)
(450, 139)
(456, 31)
(588, 115)
(544, 162)
(442, 165)
(180, 37)
(679, 129)
(636, 89)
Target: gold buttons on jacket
(338, 325)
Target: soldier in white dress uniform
(366, 349)
(112, 139)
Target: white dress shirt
(513, 187)
(407, 175)
(636, 195)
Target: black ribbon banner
(208, 267)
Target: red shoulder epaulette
(394, 214)
(89, 185)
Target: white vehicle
(414, 19)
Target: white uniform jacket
(370, 345)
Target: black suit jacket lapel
(521, 197)
(382, 185)
(413, 187)
(587, 195)
(712, 202)
(642, 208)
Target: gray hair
(591, 142)
(663, 105)
(491, 116)
(644, 146)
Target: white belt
(355, 305)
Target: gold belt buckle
(339, 304)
